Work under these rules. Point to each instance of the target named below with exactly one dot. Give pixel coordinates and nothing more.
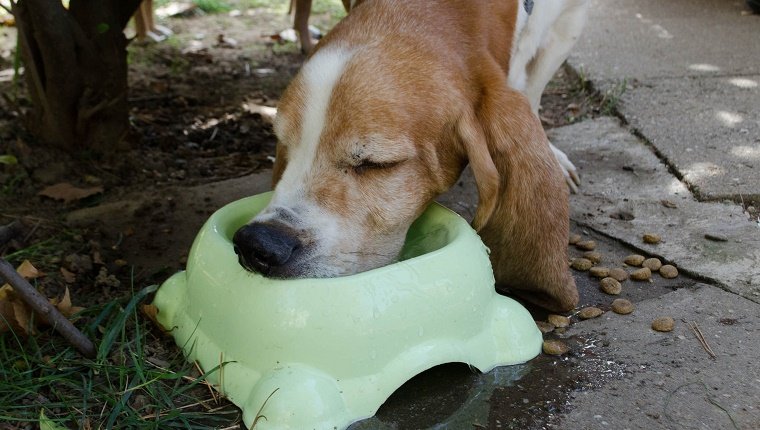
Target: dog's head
(357, 162)
(370, 132)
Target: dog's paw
(568, 169)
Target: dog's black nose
(263, 247)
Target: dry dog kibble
(581, 264)
(651, 238)
(663, 324)
(611, 286)
(622, 306)
(599, 272)
(592, 256)
(544, 327)
(589, 312)
(558, 320)
(586, 245)
(643, 274)
(555, 347)
(653, 264)
(574, 238)
(634, 260)
(619, 274)
(669, 272)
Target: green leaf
(8, 159)
(102, 28)
(48, 424)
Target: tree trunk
(76, 70)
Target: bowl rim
(458, 230)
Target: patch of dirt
(195, 102)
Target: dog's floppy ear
(280, 161)
(523, 214)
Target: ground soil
(194, 102)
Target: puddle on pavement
(528, 396)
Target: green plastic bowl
(323, 353)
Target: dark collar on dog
(528, 5)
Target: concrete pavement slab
(686, 75)
(645, 39)
(670, 380)
(627, 191)
(708, 129)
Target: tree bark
(76, 71)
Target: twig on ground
(707, 397)
(701, 338)
(206, 383)
(221, 372)
(42, 306)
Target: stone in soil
(668, 272)
(581, 264)
(78, 263)
(619, 274)
(611, 286)
(651, 238)
(592, 256)
(586, 245)
(622, 306)
(544, 327)
(643, 274)
(663, 324)
(653, 264)
(589, 312)
(555, 347)
(634, 260)
(558, 320)
(599, 272)
(574, 238)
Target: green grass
(43, 251)
(610, 101)
(128, 386)
(213, 6)
(333, 8)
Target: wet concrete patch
(526, 396)
(537, 400)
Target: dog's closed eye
(366, 165)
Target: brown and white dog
(394, 102)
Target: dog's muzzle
(265, 248)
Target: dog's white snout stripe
(320, 75)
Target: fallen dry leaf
(7, 316)
(97, 258)
(16, 315)
(67, 193)
(65, 307)
(151, 311)
(23, 317)
(68, 277)
(27, 270)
